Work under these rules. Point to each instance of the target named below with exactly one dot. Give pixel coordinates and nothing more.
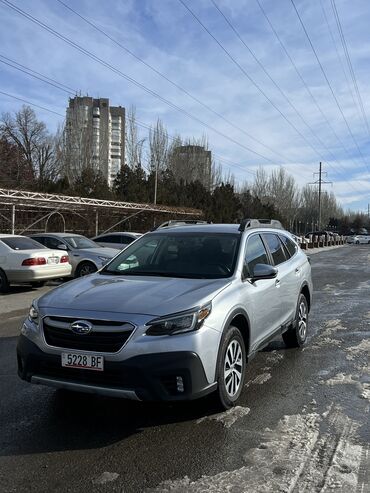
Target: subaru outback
(176, 315)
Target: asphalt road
(302, 423)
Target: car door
(261, 298)
(286, 278)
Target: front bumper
(143, 377)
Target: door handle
(298, 270)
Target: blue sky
(165, 35)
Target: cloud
(167, 37)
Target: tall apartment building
(192, 163)
(95, 137)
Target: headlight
(179, 322)
(104, 259)
(33, 314)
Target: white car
(358, 239)
(23, 260)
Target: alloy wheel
(233, 367)
(302, 320)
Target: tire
(4, 283)
(37, 284)
(85, 268)
(296, 336)
(230, 385)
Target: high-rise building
(95, 137)
(192, 163)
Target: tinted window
(289, 244)
(275, 247)
(255, 254)
(195, 255)
(52, 242)
(109, 239)
(39, 239)
(22, 243)
(80, 242)
(126, 240)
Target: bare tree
(158, 147)
(134, 145)
(260, 187)
(29, 135)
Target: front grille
(105, 337)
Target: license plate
(53, 260)
(84, 361)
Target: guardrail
(315, 241)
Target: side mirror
(62, 246)
(264, 271)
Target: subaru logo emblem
(81, 327)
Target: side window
(289, 245)
(108, 239)
(275, 247)
(126, 240)
(52, 242)
(39, 239)
(255, 254)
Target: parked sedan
(23, 260)
(358, 239)
(85, 255)
(116, 239)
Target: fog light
(179, 384)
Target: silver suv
(176, 315)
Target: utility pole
(320, 182)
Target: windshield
(80, 242)
(22, 243)
(190, 255)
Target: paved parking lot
(302, 423)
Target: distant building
(192, 163)
(95, 137)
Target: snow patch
(294, 456)
(260, 379)
(106, 477)
(227, 418)
(363, 347)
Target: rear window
(275, 247)
(289, 244)
(22, 243)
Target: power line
(128, 78)
(320, 182)
(28, 71)
(31, 104)
(328, 83)
(174, 84)
(299, 74)
(141, 124)
(59, 85)
(349, 88)
(235, 62)
(345, 49)
(227, 20)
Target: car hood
(102, 251)
(155, 296)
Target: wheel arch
(305, 290)
(240, 319)
(85, 261)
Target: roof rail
(180, 222)
(259, 223)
